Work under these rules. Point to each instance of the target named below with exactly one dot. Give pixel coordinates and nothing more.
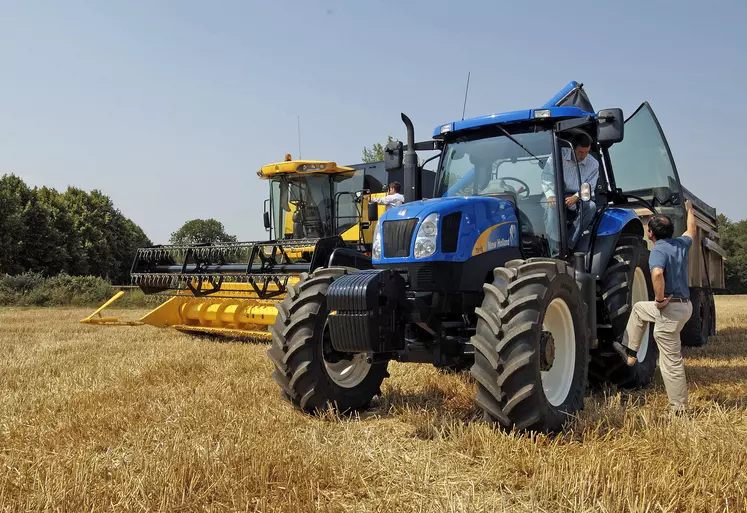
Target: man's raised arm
(691, 226)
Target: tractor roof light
(445, 129)
(541, 114)
(306, 168)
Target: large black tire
(301, 351)
(696, 331)
(629, 259)
(511, 346)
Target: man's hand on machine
(661, 303)
(570, 201)
(552, 201)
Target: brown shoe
(623, 352)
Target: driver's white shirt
(390, 200)
(588, 168)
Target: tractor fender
(613, 223)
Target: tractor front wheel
(311, 374)
(531, 346)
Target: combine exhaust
(227, 289)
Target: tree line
(82, 234)
(73, 232)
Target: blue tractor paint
(614, 220)
(553, 102)
(556, 114)
(487, 224)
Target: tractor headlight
(376, 248)
(426, 238)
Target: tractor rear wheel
(310, 373)
(696, 331)
(531, 346)
(626, 281)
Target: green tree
(199, 231)
(42, 248)
(76, 232)
(376, 152)
(734, 241)
(14, 195)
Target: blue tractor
(488, 275)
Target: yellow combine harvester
(317, 215)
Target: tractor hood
(442, 206)
(466, 227)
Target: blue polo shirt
(671, 256)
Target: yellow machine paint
(243, 305)
(97, 318)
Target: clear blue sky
(170, 107)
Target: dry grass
(144, 419)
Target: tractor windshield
(498, 166)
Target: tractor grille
(398, 237)
(450, 232)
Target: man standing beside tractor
(670, 310)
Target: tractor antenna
(298, 118)
(466, 92)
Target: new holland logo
(402, 213)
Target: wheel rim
(345, 373)
(557, 381)
(640, 293)
(348, 373)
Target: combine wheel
(626, 281)
(531, 346)
(312, 375)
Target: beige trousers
(668, 323)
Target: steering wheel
(523, 191)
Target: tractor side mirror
(373, 212)
(610, 126)
(266, 218)
(393, 156)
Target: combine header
(225, 289)
(317, 215)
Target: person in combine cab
(580, 216)
(393, 199)
(671, 308)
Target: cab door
(642, 165)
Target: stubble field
(142, 419)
